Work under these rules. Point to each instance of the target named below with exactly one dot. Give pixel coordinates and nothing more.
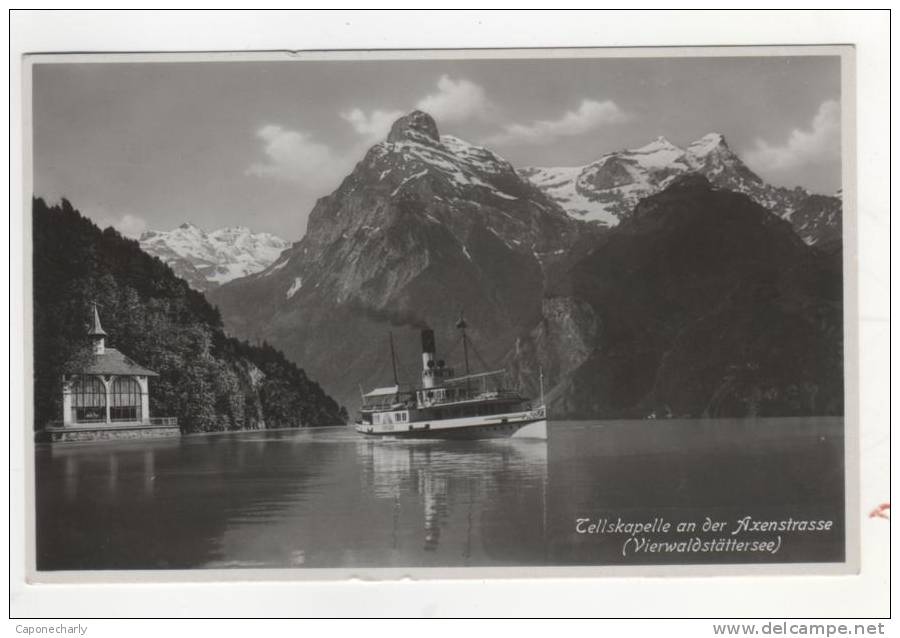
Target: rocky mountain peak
(661, 143)
(414, 127)
(423, 226)
(707, 144)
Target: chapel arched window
(88, 399)
(125, 399)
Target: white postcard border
(636, 574)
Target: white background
(863, 595)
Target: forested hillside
(208, 380)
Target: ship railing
(477, 375)
(397, 400)
(478, 396)
(392, 404)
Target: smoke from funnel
(399, 318)
(428, 341)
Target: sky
(152, 145)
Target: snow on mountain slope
(207, 260)
(606, 190)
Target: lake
(331, 498)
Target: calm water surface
(330, 498)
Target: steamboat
(445, 406)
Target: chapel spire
(97, 333)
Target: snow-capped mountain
(206, 260)
(607, 190)
(426, 225)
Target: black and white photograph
(441, 310)
(441, 314)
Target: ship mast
(541, 372)
(393, 358)
(461, 324)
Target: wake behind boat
(472, 406)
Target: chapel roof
(114, 362)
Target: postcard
(504, 313)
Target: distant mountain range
(658, 280)
(607, 190)
(603, 192)
(208, 259)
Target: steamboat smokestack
(428, 358)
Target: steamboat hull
(459, 429)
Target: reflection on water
(330, 498)
(455, 490)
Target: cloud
(374, 126)
(589, 115)
(452, 101)
(820, 142)
(131, 225)
(128, 224)
(295, 156)
(455, 100)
